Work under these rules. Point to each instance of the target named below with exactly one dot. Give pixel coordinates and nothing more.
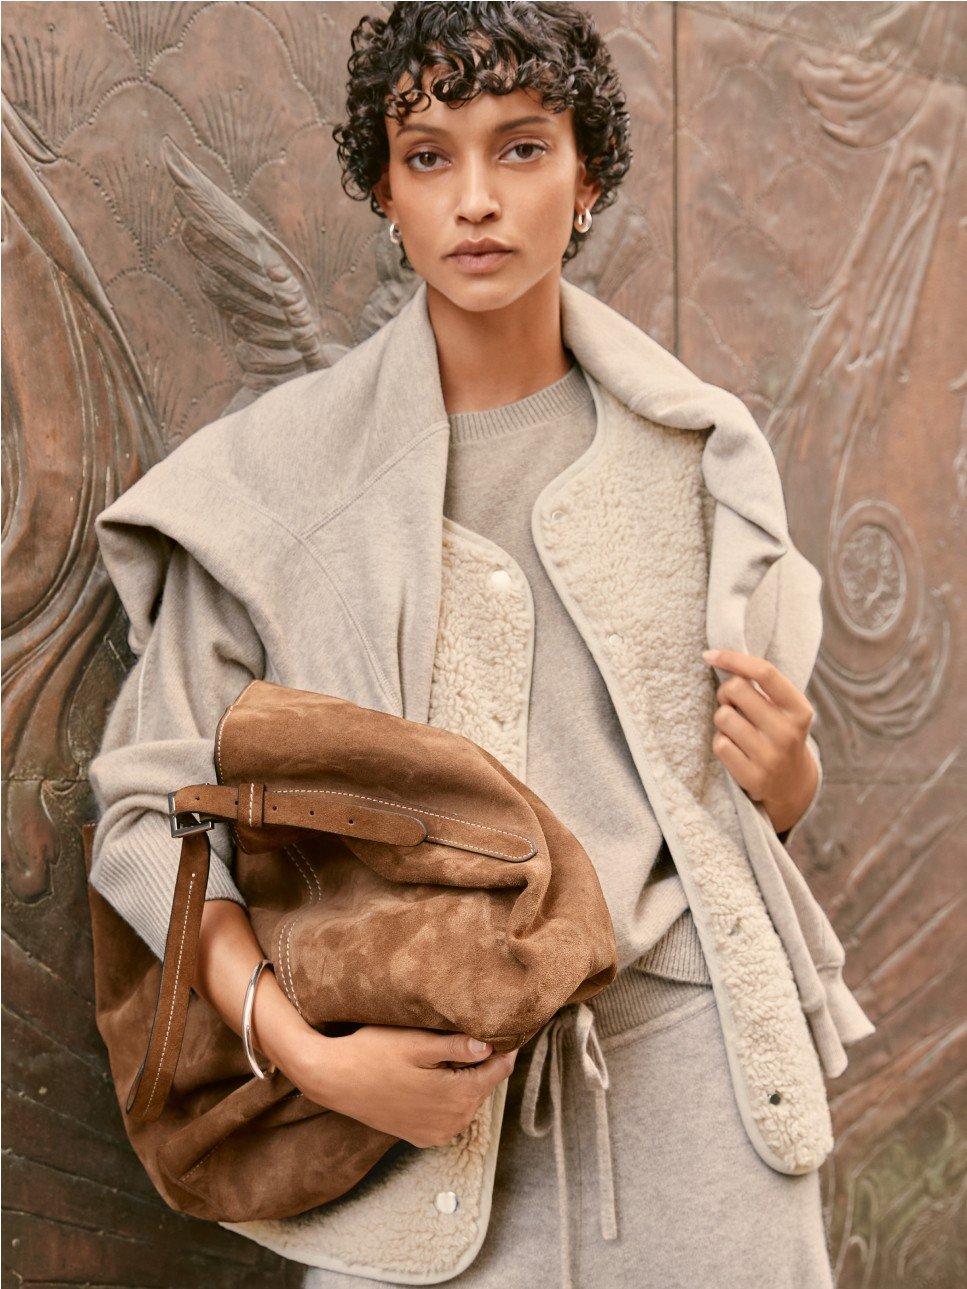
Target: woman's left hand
(761, 738)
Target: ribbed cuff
(135, 870)
(671, 973)
(787, 833)
(678, 955)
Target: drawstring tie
(580, 1017)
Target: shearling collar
(750, 528)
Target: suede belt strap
(255, 805)
(326, 810)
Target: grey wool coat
(319, 508)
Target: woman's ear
(383, 194)
(587, 192)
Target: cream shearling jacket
(319, 508)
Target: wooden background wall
(792, 227)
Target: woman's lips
(481, 263)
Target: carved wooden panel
(820, 272)
(175, 240)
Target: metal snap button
(614, 638)
(501, 580)
(446, 1201)
(557, 515)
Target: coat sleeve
(201, 652)
(794, 644)
(793, 648)
(814, 749)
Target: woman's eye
(540, 149)
(424, 152)
(423, 161)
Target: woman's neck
(490, 357)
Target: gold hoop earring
(583, 221)
(395, 235)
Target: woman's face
(499, 167)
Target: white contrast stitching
(174, 994)
(315, 896)
(218, 749)
(359, 796)
(280, 954)
(221, 728)
(315, 876)
(195, 1167)
(288, 965)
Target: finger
(480, 1079)
(751, 720)
(741, 767)
(462, 1049)
(776, 686)
(492, 1071)
(750, 741)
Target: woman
(488, 135)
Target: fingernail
(709, 654)
(477, 1046)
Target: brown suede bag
(395, 874)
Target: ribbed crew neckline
(565, 395)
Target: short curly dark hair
(482, 48)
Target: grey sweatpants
(697, 1208)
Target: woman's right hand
(394, 1078)
(391, 1077)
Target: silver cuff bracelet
(247, 1020)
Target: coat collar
(750, 529)
(370, 436)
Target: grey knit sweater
(578, 759)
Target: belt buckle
(202, 822)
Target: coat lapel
(657, 540)
(749, 526)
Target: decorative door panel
(176, 240)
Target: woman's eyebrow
(515, 124)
